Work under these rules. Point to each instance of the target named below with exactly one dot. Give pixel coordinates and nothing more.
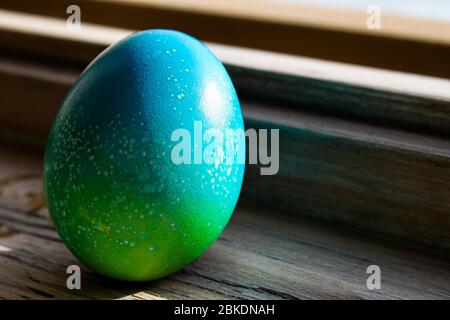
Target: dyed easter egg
(134, 184)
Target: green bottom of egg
(137, 241)
(119, 202)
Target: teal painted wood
(390, 183)
(396, 109)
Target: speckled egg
(118, 200)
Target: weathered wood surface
(398, 99)
(388, 182)
(403, 43)
(384, 180)
(260, 255)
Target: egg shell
(117, 199)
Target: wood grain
(389, 98)
(402, 44)
(261, 255)
(381, 180)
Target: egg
(134, 184)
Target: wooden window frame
(403, 44)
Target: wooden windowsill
(379, 129)
(364, 167)
(261, 255)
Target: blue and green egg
(118, 201)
